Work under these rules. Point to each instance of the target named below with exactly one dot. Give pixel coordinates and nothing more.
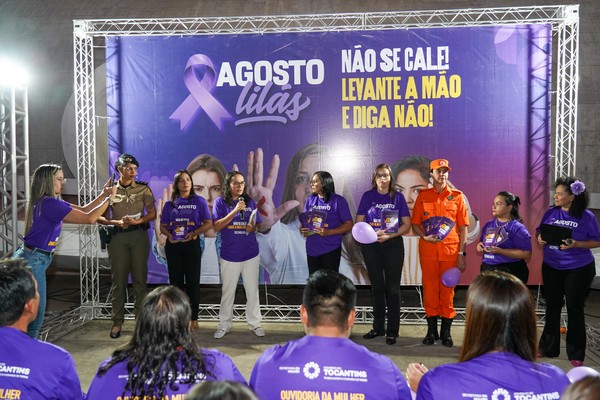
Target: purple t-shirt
(585, 228)
(48, 214)
(373, 203)
(187, 214)
(237, 245)
(338, 212)
(493, 376)
(513, 235)
(36, 369)
(110, 385)
(336, 366)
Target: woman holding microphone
(385, 257)
(235, 218)
(182, 220)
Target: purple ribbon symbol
(200, 96)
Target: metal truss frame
(14, 163)
(89, 37)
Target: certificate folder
(554, 234)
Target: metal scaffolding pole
(14, 166)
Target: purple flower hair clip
(577, 187)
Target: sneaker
(258, 331)
(220, 333)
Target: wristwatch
(463, 253)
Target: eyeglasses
(383, 176)
(130, 169)
(61, 180)
(238, 184)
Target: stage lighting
(12, 74)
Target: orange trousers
(438, 299)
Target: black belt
(36, 250)
(132, 228)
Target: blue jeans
(38, 263)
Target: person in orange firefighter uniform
(438, 255)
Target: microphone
(240, 200)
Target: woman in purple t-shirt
(236, 217)
(568, 268)
(46, 212)
(505, 242)
(182, 220)
(497, 358)
(330, 218)
(386, 211)
(162, 359)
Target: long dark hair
(581, 201)
(176, 193)
(500, 317)
(514, 201)
(327, 183)
(227, 196)
(161, 342)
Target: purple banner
(342, 102)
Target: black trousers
(330, 261)
(384, 263)
(517, 268)
(183, 259)
(573, 285)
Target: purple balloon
(451, 277)
(364, 233)
(578, 373)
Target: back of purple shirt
(493, 376)
(236, 244)
(335, 368)
(48, 214)
(585, 228)
(338, 212)
(31, 369)
(110, 385)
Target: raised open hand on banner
(161, 239)
(261, 190)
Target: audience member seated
(587, 388)
(161, 359)
(221, 390)
(326, 362)
(498, 352)
(29, 368)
